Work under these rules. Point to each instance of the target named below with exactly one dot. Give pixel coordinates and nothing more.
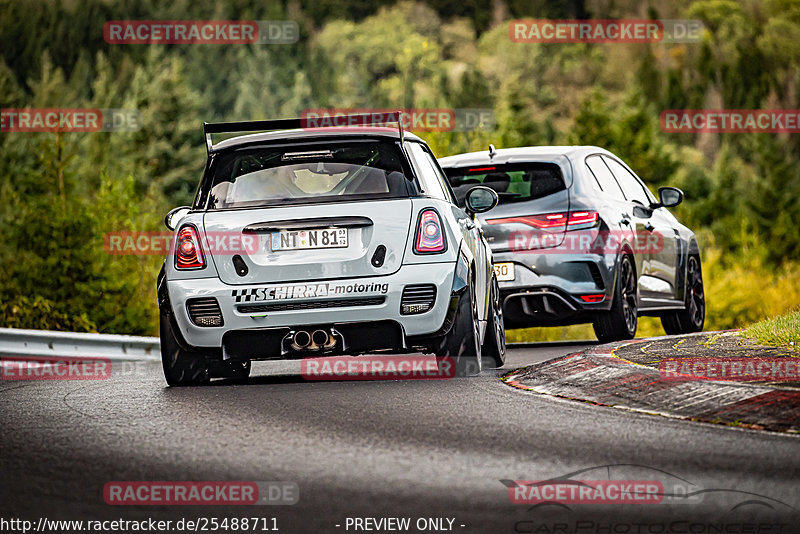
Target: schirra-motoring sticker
(258, 294)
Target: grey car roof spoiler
(300, 123)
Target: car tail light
(582, 218)
(430, 239)
(593, 299)
(548, 220)
(572, 220)
(188, 254)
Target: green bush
(41, 314)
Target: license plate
(308, 239)
(504, 271)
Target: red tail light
(593, 298)
(430, 239)
(188, 254)
(582, 217)
(553, 220)
(549, 220)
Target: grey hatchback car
(578, 238)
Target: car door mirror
(174, 217)
(480, 199)
(669, 196)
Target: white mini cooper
(311, 242)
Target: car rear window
(514, 182)
(309, 173)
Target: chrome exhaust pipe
(301, 339)
(320, 338)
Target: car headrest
(498, 181)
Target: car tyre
(494, 346)
(181, 367)
(621, 320)
(461, 344)
(692, 317)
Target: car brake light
(593, 298)
(552, 220)
(188, 254)
(582, 217)
(549, 220)
(430, 239)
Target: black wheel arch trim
(461, 279)
(165, 309)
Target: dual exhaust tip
(316, 340)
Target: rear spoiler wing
(294, 124)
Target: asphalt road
(356, 449)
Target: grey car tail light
(417, 299)
(573, 220)
(204, 311)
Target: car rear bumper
(546, 306)
(258, 314)
(547, 288)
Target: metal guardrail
(31, 343)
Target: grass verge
(781, 331)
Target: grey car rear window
(513, 182)
(299, 174)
